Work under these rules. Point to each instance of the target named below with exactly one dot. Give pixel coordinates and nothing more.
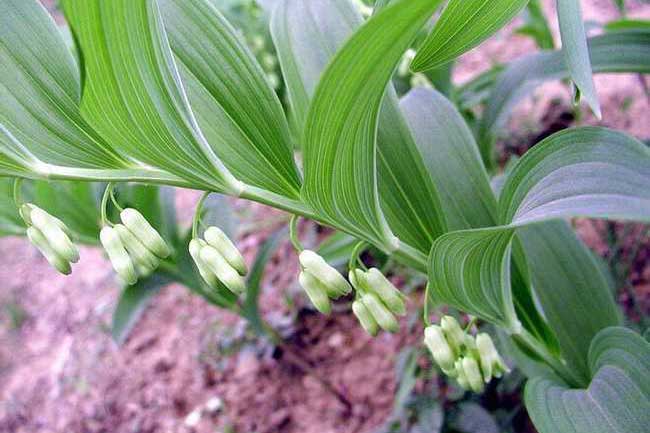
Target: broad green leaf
(40, 123)
(306, 35)
(250, 309)
(474, 418)
(463, 25)
(133, 94)
(576, 51)
(571, 288)
(563, 177)
(10, 221)
(305, 46)
(448, 148)
(560, 177)
(340, 134)
(616, 400)
(613, 52)
(627, 25)
(238, 112)
(132, 303)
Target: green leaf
(337, 248)
(616, 400)
(576, 51)
(132, 303)
(10, 221)
(560, 177)
(569, 284)
(236, 109)
(250, 308)
(305, 45)
(40, 123)
(463, 25)
(133, 94)
(613, 52)
(448, 148)
(340, 133)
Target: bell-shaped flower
(329, 277)
(492, 364)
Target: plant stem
(293, 234)
(198, 215)
(18, 193)
(549, 359)
(107, 193)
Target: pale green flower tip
(216, 238)
(328, 276)
(453, 332)
(386, 291)
(365, 318)
(37, 238)
(316, 293)
(140, 227)
(384, 318)
(56, 237)
(473, 374)
(118, 256)
(218, 265)
(439, 347)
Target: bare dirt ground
(61, 372)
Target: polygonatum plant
(166, 92)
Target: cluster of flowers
(378, 303)
(321, 281)
(473, 361)
(51, 236)
(217, 259)
(134, 247)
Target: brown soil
(61, 372)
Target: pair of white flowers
(51, 236)
(377, 303)
(218, 259)
(473, 361)
(134, 247)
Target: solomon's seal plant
(168, 94)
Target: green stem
(549, 359)
(18, 193)
(355, 257)
(293, 234)
(107, 193)
(198, 215)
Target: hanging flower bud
(195, 251)
(442, 353)
(461, 377)
(492, 364)
(140, 227)
(386, 291)
(365, 318)
(144, 260)
(56, 237)
(216, 238)
(118, 255)
(316, 292)
(25, 212)
(473, 374)
(453, 333)
(329, 277)
(218, 265)
(40, 241)
(384, 318)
